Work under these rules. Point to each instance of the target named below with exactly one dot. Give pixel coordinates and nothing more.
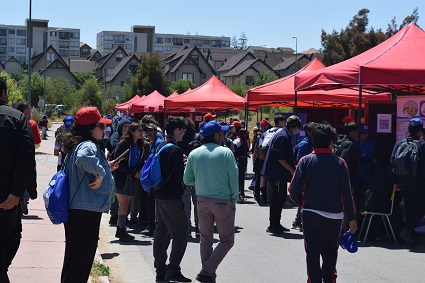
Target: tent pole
(246, 115)
(359, 116)
(296, 102)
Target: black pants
(151, 209)
(321, 236)
(414, 201)
(242, 162)
(143, 205)
(278, 198)
(8, 239)
(81, 235)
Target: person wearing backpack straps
(90, 191)
(127, 175)
(412, 187)
(170, 215)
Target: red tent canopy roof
(153, 99)
(212, 95)
(396, 64)
(124, 105)
(281, 92)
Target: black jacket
(171, 160)
(321, 182)
(344, 148)
(124, 173)
(17, 152)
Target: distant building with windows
(14, 40)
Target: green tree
(182, 85)
(243, 41)
(264, 77)
(239, 88)
(15, 93)
(91, 94)
(37, 87)
(357, 38)
(234, 43)
(82, 78)
(150, 76)
(60, 91)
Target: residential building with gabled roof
(288, 66)
(12, 65)
(109, 62)
(247, 72)
(128, 66)
(188, 63)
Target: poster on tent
(408, 107)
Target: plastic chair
(383, 215)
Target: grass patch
(97, 270)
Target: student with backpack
(170, 215)
(407, 166)
(90, 185)
(241, 144)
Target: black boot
(123, 235)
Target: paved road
(260, 257)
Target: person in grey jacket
(90, 193)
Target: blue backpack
(56, 196)
(151, 172)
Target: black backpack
(194, 144)
(406, 159)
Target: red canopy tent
(153, 99)
(124, 106)
(396, 64)
(281, 92)
(213, 95)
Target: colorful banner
(408, 107)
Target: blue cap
(44, 116)
(212, 127)
(68, 121)
(416, 121)
(364, 129)
(348, 242)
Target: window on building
(74, 44)
(54, 42)
(178, 41)
(225, 43)
(119, 56)
(188, 76)
(109, 71)
(128, 46)
(107, 45)
(249, 80)
(132, 69)
(85, 50)
(186, 41)
(11, 49)
(158, 40)
(21, 41)
(21, 32)
(75, 35)
(63, 44)
(21, 59)
(63, 35)
(2, 59)
(129, 38)
(53, 34)
(108, 37)
(11, 40)
(167, 40)
(3, 41)
(167, 48)
(3, 32)
(205, 50)
(206, 42)
(118, 38)
(216, 43)
(11, 31)
(158, 49)
(64, 53)
(195, 58)
(74, 53)
(4, 49)
(20, 50)
(50, 56)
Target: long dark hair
(78, 134)
(129, 134)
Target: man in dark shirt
(170, 215)
(18, 160)
(278, 169)
(321, 186)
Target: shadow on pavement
(132, 243)
(288, 236)
(32, 217)
(109, 255)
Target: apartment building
(139, 39)
(14, 40)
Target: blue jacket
(87, 161)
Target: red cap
(90, 115)
(208, 117)
(264, 122)
(237, 124)
(348, 119)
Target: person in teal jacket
(212, 169)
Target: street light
(296, 52)
(29, 37)
(46, 33)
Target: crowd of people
(104, 157)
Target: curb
(98, 258)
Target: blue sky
(271, 23)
